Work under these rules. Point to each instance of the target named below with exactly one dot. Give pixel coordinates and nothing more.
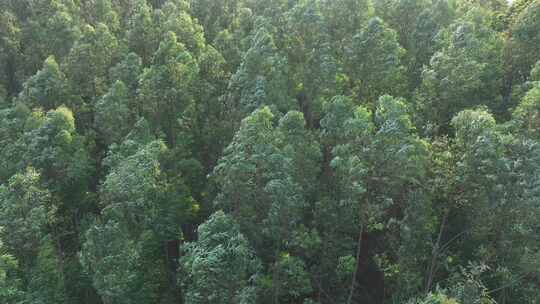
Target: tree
(54, 147)
(365, 150)
(11, 289)
(260, 80)
(373, 62)
(401, 16)
(51, 28)
(88, 62)
(126, 248)
(12, 123)
(525, 33)
(165, 92)
(493, 170)
(141, 31)
(25, 213)
(209, 129)
(259, 188)
(187, 30)
(527, 112)
(215, 16)
(112, 116)
(128, 71)
(313, 69)
(466, 72)
(47, 89)
(101, 11)
(111, 258)
(220, 267)
(422, 39)
(344, 18)
(10, 48)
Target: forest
(269, 152)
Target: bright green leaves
(470, 124)
(220, 267)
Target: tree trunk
(355, 273)
(435, 254)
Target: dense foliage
(269, 151)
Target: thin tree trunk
(275, 279)
(355, 273)
(435, 253)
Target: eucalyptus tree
(165, 93)
(221, 266)
(142, 31)
(260, 182)
(86, 66)
(112, 113)
(261, 78)
(47, 89)
(373, 62)
(25, 213)
(525, 34)
(11, 50)
(467, 71)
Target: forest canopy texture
(269, 152)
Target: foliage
(269, 151)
